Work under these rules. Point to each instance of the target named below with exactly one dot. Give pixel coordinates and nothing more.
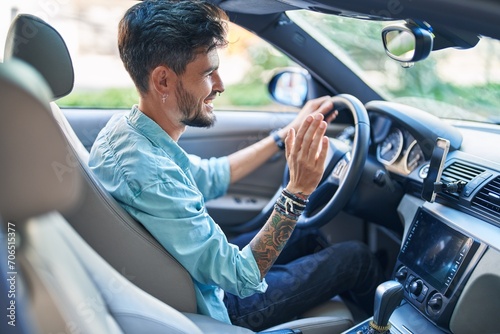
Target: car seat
(99, 219)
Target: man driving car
(170, 49)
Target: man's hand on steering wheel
(322, 105)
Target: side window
(90, 31)
(247, 65)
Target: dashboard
(403, 139)
(449, 261)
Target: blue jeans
(307, 273)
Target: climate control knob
(401, 274)
(435, 304)
(416, 287)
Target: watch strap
(277, 139)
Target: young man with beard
(170, 49)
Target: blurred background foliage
(260, 58)
(355, 42)
(105, 98)
(437, 84)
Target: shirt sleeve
(212, 176)
(175, 215)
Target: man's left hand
(322, 105)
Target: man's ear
(161, 80)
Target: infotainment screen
(434, 250)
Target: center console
(433, 265)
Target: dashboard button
(423, 293)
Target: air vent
(459, 171)
(487, 200)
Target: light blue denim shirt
(165, 189)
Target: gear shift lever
(387, 297)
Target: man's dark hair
(169, 33)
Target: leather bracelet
(288, 207)
(295, 198)
(277, 139)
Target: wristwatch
(277, 139)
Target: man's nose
(218, 85)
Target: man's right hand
(306, 152)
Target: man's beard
(187, 105)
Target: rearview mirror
(290, 87)
(407, 43)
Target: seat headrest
(38, 171)
(33, 40)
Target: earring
(164, 98)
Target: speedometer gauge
(413, 157)
(389, 150)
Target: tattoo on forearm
(269, 242)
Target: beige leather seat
(100, 220)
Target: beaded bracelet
(290, 205)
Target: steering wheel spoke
(339, 172)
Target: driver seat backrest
(100, 220)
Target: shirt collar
(157, 136)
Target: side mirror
(290, 87)
(407, 43)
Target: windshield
(450, 83)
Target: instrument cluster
(399, 151)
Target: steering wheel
(342, 171)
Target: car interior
(77, 262)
